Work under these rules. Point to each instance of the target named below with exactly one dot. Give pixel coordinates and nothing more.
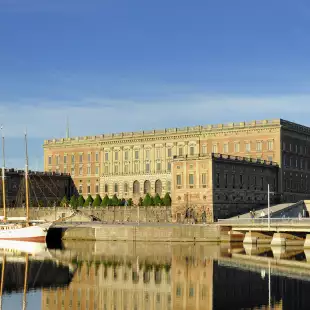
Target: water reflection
(124, 276)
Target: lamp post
(269, 192)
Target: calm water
(125, 276)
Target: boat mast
(26, 180)
(25, 283)
(3, 177)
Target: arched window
(126, 187)
(115, 188)
(147, 187)
(136, 187)
(158, 187)
(106, 188)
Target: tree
(81, 201)
(73, 202)
(129, 202)
(89, 201)
(157, 200)
(114, 200)
(97, 201)
(105, 201)
(147, 200)
(64, 202)
(140, 203)
(167, 200)
(152, 201)
(123, 201)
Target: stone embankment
(141, 232)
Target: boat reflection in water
(23, 270)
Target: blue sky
(124, 65)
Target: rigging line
(37, 274)
(48, 187)
(31, 186)
(18, 192)
(56, 186)
(38, 186)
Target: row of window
(302, 149)
(191, 179)
(158, 152)
(298, 163)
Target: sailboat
(16, 229)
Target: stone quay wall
(107, 214)
(145, 232)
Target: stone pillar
(253, 237)
(284, 239)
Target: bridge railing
(263, 221)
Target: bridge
(275, 232)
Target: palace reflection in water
(181, 277)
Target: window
(80, 170)
(296, 163)
(226, 180)
(169, 152)
(169, 166)
(204, 149)
(50, 160)
(217, 180)
(241, 180)
(88, 189)
(168, 186)
(81, 158)
(158, 167)
(97, 188)
(126, 169)
(106, 188)
(147, 154)
(88, 170)
(248, 147)
(233, 180)
(136, 167)
(97, 170)
(214, 148)
(180, 150)
(126, 155)
(106, 156)
(158, 153)
(296, 148)
(262, 183)
(147, 167)
(116, 169)
(72, 159)
(270, 145)
(115, 188)
(301, 163)
(269, 158)
(57, 170)
(126, 187)
(203, 178)
(65, 159)
(191, 150)
(291, 147)
(97, 157)
(237, 147)
(301, 149)
(116, 155)
(57, 160)
(106, 169)
(72, 171)
(50, 170)
(191, 179)
(225, 148)
(65, 169)
(259, 146)
(283, 146)
(291, 161)
(89, 157)
(136, 154)
(179, 179)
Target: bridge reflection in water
(181, 276)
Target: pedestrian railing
(264, 221)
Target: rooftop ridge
(186, 129)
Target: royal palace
(201, 166)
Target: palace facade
(131, 164)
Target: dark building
(45, 188)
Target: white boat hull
(33, 233)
